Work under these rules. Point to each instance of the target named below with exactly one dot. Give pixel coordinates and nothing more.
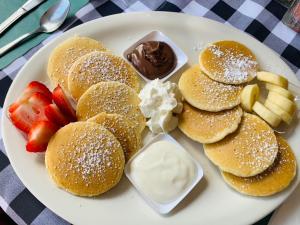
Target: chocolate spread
(153, 59)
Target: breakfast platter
(110, 90)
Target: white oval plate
(210, 202)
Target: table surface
(259, 18)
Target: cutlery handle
(12, 44)
(16, 15)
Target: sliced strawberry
(36, 86)
(29, 112)
(32, 87)
(63, 103)
(13, 106)
(23, 117)
(54, 115)
(39, 136)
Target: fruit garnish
(39, 136)
(35, 114)
(282, 91)
(272, 78)
(32, 87)
(270, 117)
(249, 95)
(63, 103)
(30, 111)
(284, 103)
(54, 115)
(286, 117)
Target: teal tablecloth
(25, 24)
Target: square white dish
(181, 57)
(164, 208)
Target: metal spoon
(52, 19)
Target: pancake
(208, 127)
(248, 151)
(206, 94)
(273, 180)
(84, 159)
(65, 54)
(96, 67)
(228, 62)
(111, 97)
(123, 130)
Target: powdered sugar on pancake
(102, 66)
(111, 97)
(229, 63)
(89, 156)
(258, 147)
(216, 94)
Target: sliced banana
(249, 95)
(284, 92)
(270, 117)
(287, 118)
(284, 103)
(272, 78)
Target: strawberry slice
(36, 86)
(13, 107)
(32, 87)
(54, 115)
(39, 136)
(29, 112)
(23, 117)
(63, 103)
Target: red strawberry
(32, 87)
(63, 103)
(23, 117)
(39, 136)
(36, 86)
(29, 112)
(13, 106)
(54, 115)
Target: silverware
(29, 5)
(52, 19)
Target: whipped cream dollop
(160, 102)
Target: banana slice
(284, 103)
(272, 78)
(287, 118)
(249, 95)
(284, 92)
(270, 117)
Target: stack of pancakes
(87, 158)
(251, 158)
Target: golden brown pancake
(204, 93)
(273, 180)
(229, 62)
(111, 97)
(248, 151)
(65, 54)
(96, 67)
(123, 130)
(85, 159)
(208, 127)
